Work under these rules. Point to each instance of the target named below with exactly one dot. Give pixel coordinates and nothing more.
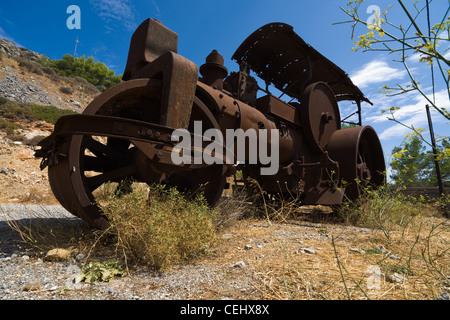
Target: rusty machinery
(162, 91)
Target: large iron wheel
(91, 162)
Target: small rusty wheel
(91, 162)
(360, 156)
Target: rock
(79, 257)
(26, 154)
(395, 278)
(444, 296)
(307, 250)
(227, 236)
(239, 264)
(30, 55)
(13, 88)
(4, 170)
(33, 286)
(381, 249)
(76, 104)
(10, 50)
(357, 250)
(248, 247)
(393, 256)
(57, 255)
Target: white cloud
(412, 113)
(415, 57)
(376, 71)
(121, 11)
(157, 10)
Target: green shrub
(49, 114)
(100, 271)
(160, 227)
(383, 209)
(8, 127)
(96, 73)
(13, 112)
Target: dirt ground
(21, 178)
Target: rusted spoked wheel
(360, 156)
(90, 162)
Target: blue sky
(204, 25)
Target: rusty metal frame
(163, 92)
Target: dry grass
(344, 266)
(348, 263)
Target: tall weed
(161, 227)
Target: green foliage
(96, 73)
(49, 114)
(11, 112)
(413, 36)
(383, 209)
(160, 227)
(100, 271)
(414, 167)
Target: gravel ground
(26, 275)
(247, 262)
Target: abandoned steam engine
(132, 131)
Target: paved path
(32, 211)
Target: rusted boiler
(129, 131)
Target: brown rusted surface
(280, 57)
(360, 155)
(150, 41)
(320, 114)
(125, 133)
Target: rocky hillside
(24, 81)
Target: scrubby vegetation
(413, 166)
(14, 115)
(11, 112)
(160, 226)
(96, 73)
